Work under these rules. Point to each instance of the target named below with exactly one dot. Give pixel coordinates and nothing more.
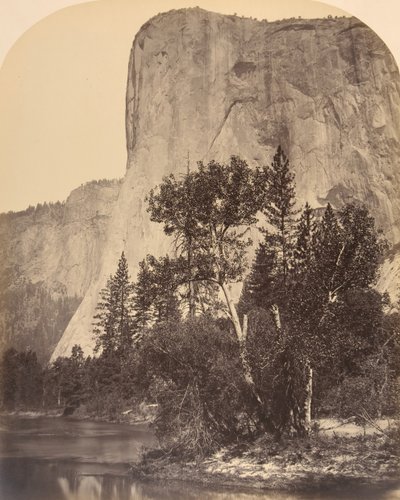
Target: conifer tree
(327, 249)
(304, 240)
(280, 212)
(144, 293)
(113, 321)
(270, 278)
(261, 284)
(156, 291)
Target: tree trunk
(192, 301)
(308, 400)
(276, 316)
(298, 423)
(232, 312)
(241, 334)
(43, 395)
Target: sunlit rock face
(203, 85)
(326, 90)
(53, 250)
(60, 244)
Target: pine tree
(270, 278)
(113, 321)
(156, 291)
(304, 239)
(280, 212)
(144, 292)
(260, 286)
(327, 248)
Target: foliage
(56, 210)
(212, 207)
(112, 327)
(156, 296)
(215, 381)
(64, 384)
(316, 275)
(21, 380)
(364, 377)
(347, 250)
(278, 373)
(192, 371)
(260, 286)
(268, 281)
(304, 233)
(280, 214)
(33, 315)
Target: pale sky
(63, 79)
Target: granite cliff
(49, 256)
(326, 90)
(203, 85)
(60, 243)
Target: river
(65, 459)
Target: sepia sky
(62, 83)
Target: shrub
(192, 371)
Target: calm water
(59, 459)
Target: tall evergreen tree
(113, 321)
(280, 211)
(328, 249)
(270, 278)
(259, 288)
(156, 291)
(304, 239)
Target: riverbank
(141, 415)
(319, 463)
(32, 413)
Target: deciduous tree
(216, 208)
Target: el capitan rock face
(203, 85)
(326, 90)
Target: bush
(370, 392)
(192, 371)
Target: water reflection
(28, 479)
(56, 459)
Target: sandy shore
(336, 461)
